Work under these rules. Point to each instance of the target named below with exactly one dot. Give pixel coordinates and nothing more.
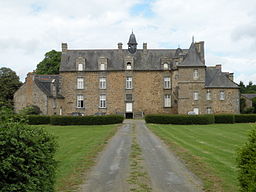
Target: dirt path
(113, 169)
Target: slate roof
(44, 83)
(151, 60)
(214, 78)
(192, 58)
(249, 96)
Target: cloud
(31, 28)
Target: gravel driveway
(166, 172)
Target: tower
(132, 44)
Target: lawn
(78, 147)
(208, 150)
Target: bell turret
(132, 44)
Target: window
(196, 95)
(102, 66)
(129, 66)
(103, 83)
(167, 100)
(195, 75)
(208, 110)
(80, 83)
(222, 95)
(128, 97)
(80, 67)
(208, 95)
(196, 110)
(166, 66)
(80, 101)
(128, 82)
(167, 82)
(102, 101)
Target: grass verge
(208, 150)
(78, 148)
(138, 178)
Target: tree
(50, 64)
(9, 84)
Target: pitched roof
(249, 96)
(149, 60)
(214, 78)
(44, 83)
(192, 58)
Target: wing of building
(132, 82)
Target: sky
(30, 28)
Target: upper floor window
(166, 66)
(80, 67)
(222, 95)
(167, 82)
(128, 97)
(128, 82)
(103, 83)
(195, 74)
(102, 66)
(208, 95)
(129, 66)
(80, 101)
(102, 101)
(80, 83)
(167, 100)
(196, 95)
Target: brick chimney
(120, 46)
(218, 67)
(64, 47)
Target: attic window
(80, 67)
(102, 66)
(166, 66)
(129, 66)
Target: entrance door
(129, 114)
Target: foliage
(224, 118)
(26, 159)
(250, 88)
(249, 110)
(179, 119)
(247, 164)
(8, 116)
(86, 120)
(242, 105)
(38, 119)
(50, 64)
(254, 104)
(31, 110)
(245, 118)
(9, 84)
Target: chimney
(200, 49)
(145, 48)
(231, 76)
(218, 67)
(120, 46)
(64, 47)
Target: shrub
(247, 164)
(38, 119)
(26, 159)
(224, 118)
(179, 119)
(31, 110)
(249, 110)
(86, 120)
(245, 118)
(7, 115)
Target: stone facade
(171, 81)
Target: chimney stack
(64, 47)
(145, 48)
(120, 46)
(218, 67)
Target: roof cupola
(132, 44)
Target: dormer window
(80, 67)
(166, 66)
(102, 66)
(102, 63)
(129, 66)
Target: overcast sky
(30, 28)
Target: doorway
(128, 111)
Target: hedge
(179, 119)
(38, 119)
(247, 164)
(26, 158)
(245, 118)
(224, 118)
(86, 120)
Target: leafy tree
(250, 88)
(50, 64)
(9, 84)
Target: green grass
(78, 147)
(208, 150)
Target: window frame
(80, 101)
(103, 66)
(80, 67)
(102, 101)
(208, 95)
(195, 74)
(166, 66)
(167, 100)
(222, 95)
(128, 98)
(195, 95)
(128, 83)
(208, 110)
(80, 84)
(167, 82)
(102, 83)
(128, 66)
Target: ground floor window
(167, 100)
(80, 101)
(102, 101)
(208, 110)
